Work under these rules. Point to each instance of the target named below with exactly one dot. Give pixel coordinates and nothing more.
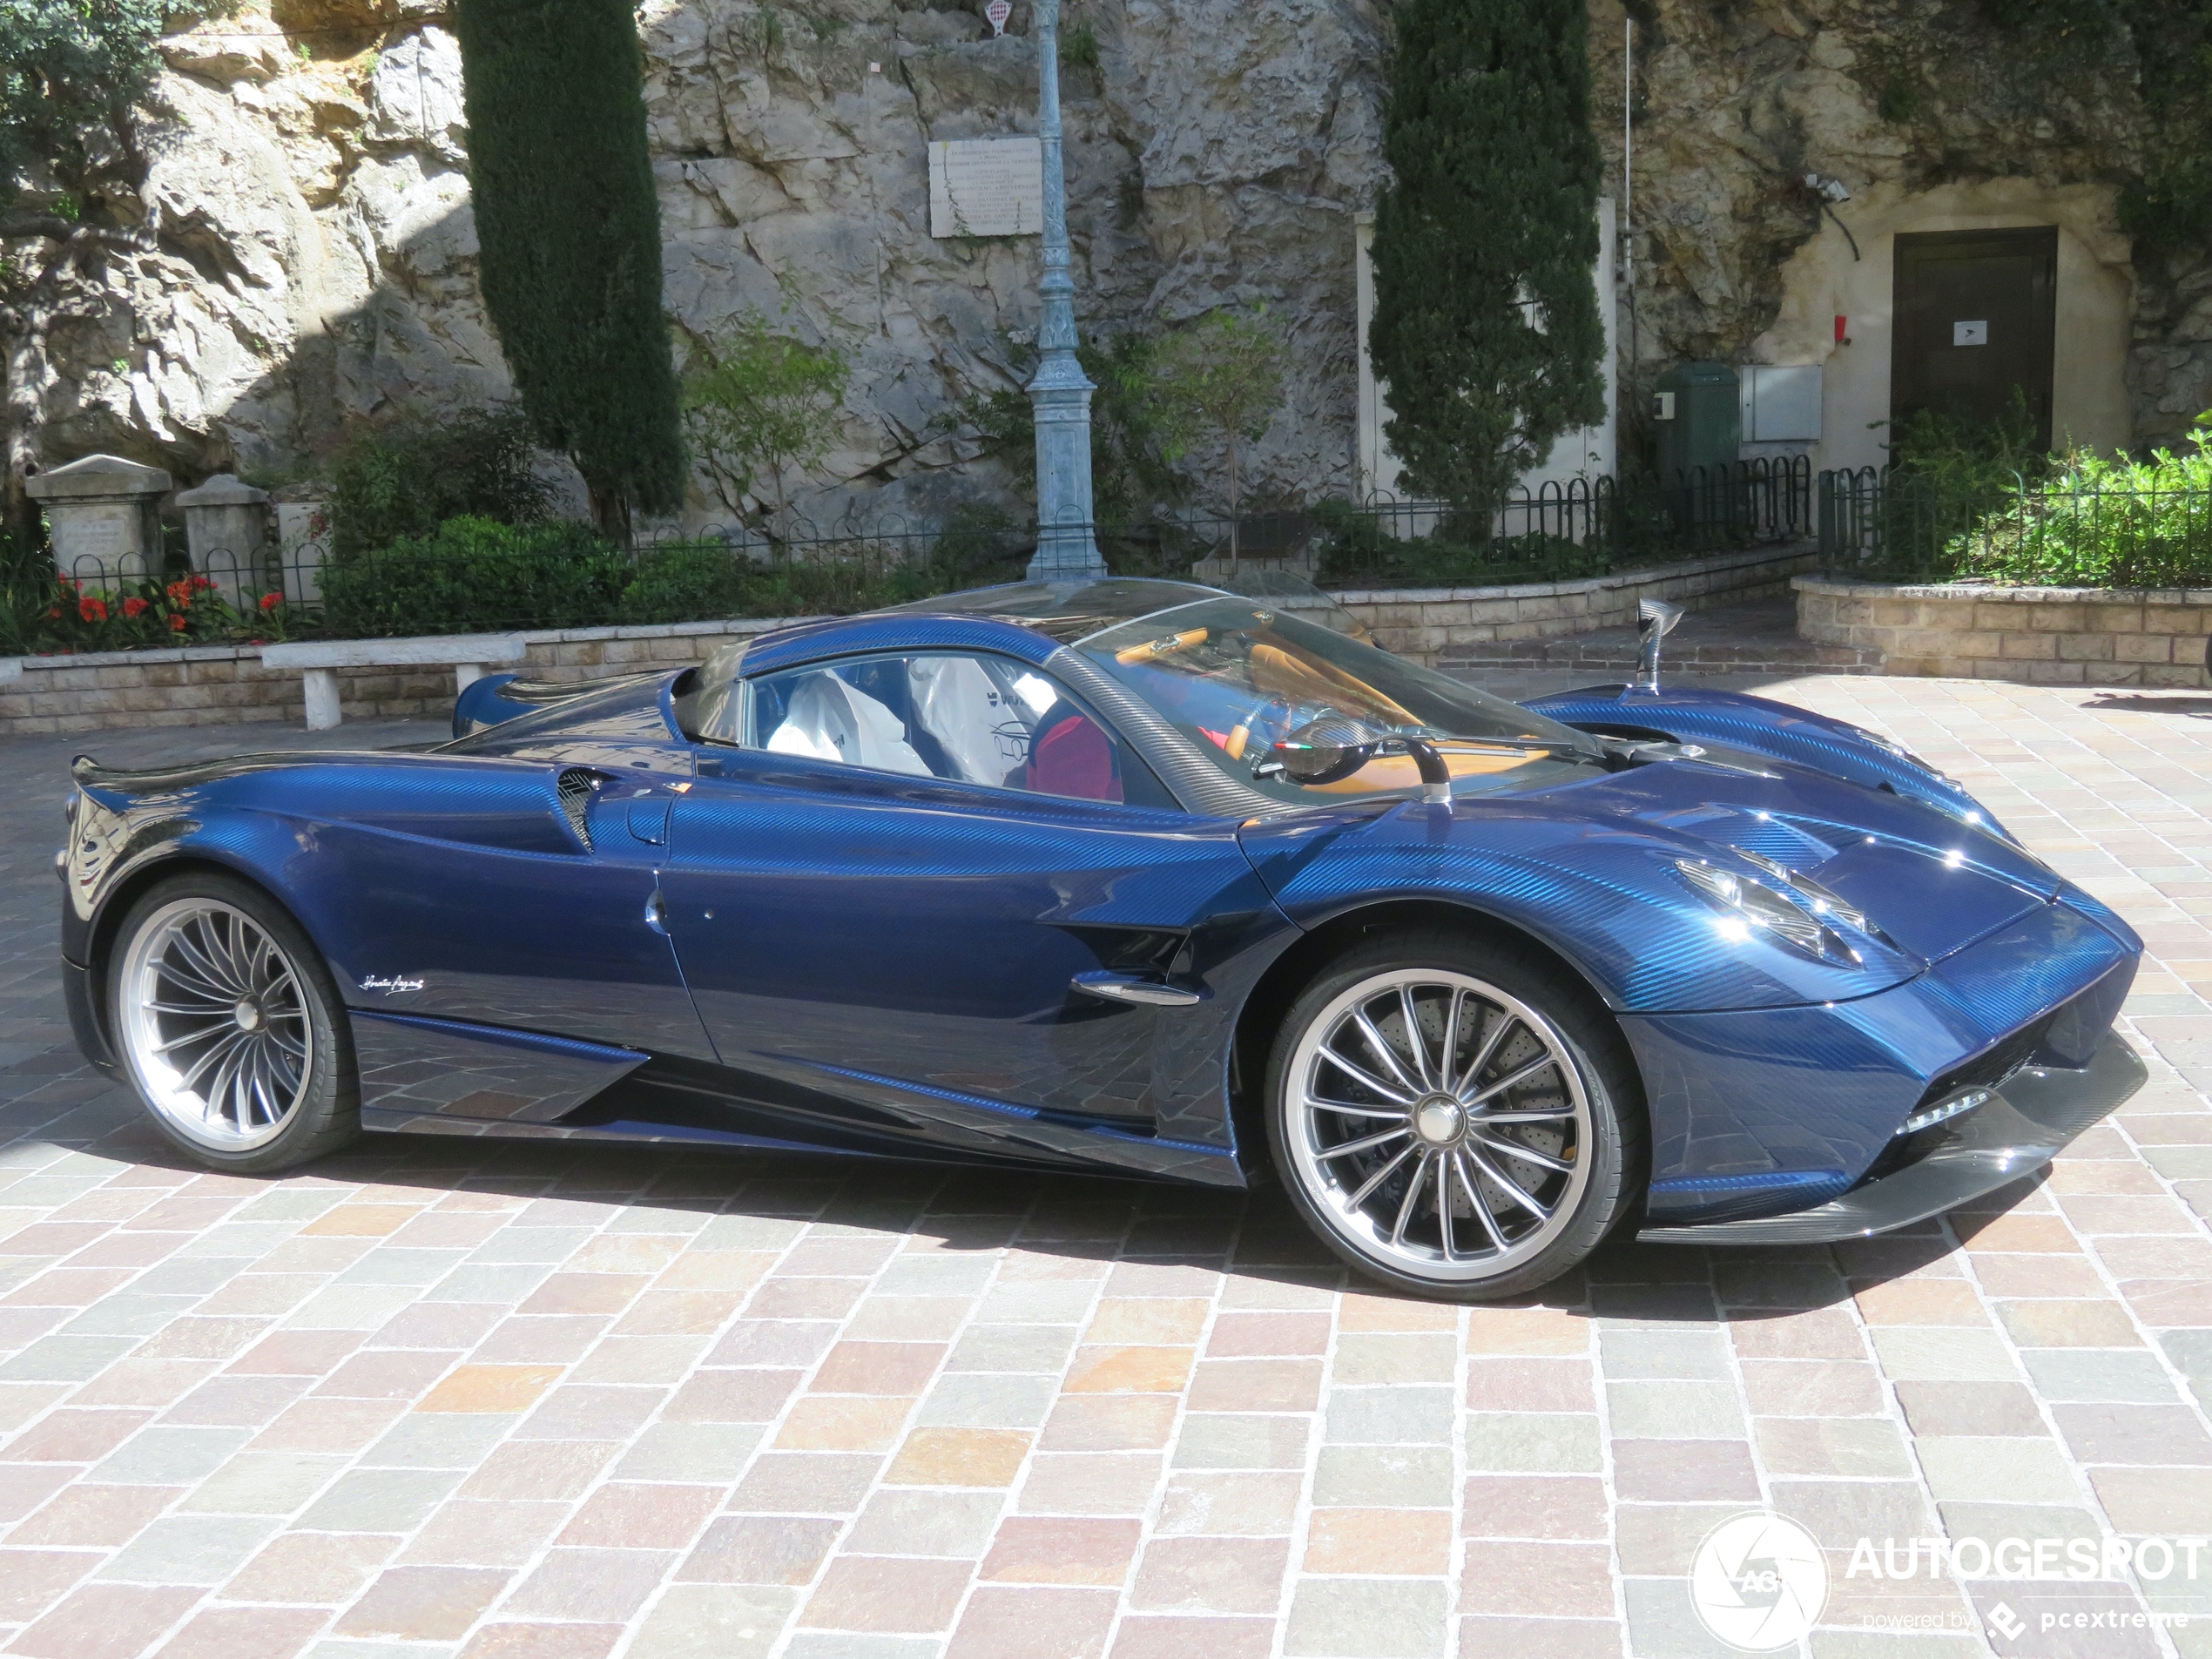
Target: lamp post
(1059, 393)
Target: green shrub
(2099, 523)
(472, 575)
(406, 479)
(1357, 550)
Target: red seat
(1072, 756)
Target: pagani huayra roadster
(1132, 877)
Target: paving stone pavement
(442, 1397)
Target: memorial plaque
(985, 188)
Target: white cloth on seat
(830, 720)
(974, 721)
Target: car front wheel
(230, 1026)
(1453, 1117)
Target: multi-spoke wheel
(223, 1014)
(1444, 1119)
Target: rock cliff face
(311, 253)
(316, 252)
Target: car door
(476, 909)
(890, 894)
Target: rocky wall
(308, 253)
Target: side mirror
(1656, 618)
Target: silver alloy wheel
(1440, 1124)
(214, 1024)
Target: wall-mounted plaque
(985, 188)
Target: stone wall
(1424, 624)
(2039, 635)
(214, 685)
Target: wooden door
(1975, 312)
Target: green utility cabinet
(1698, 418)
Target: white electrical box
(1663, 406)
(1781, 403)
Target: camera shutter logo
(1758, 1583)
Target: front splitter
(2027, 1123)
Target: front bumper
(2029, 1122)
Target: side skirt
(445, 1078)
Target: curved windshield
(1236, 679)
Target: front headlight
(1748, 906)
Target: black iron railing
(1886, 525)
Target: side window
(966, 719)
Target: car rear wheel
(1453, 1117)
(230, 1026)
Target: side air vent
(575, 787)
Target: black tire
(323, 1113)
(1588, 1094)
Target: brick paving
(453, 1398)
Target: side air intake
(575, 787)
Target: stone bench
(468, 655)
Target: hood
(1590, 863)
(1778, 730)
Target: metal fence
(1883, 525)
(1561, 530)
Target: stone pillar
(104, 518)
(303, 540)
(227, 526)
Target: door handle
(1134, 988)
(656, 914)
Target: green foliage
(977, 546)
(406, 479)
(758, 406)
(1485, 325)
(1357, 550)
(26, 590)
(474, 574)
(1079, 47)
(70, 72)
(2095, 522)
(1221, 378)
(1131, 473)
(570, 230)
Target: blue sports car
(1135, 877)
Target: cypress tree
(1486, 324)
(569, 227)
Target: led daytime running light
(1758, 906)
(1822, 901)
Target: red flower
(180, 594)
(134, 607)
(55, 614)
(270, 601)
(71, 582)
(92, 609)
(176, 624)
(202, 582)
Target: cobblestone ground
(442, 1397)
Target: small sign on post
(998, 11)
(985, 188)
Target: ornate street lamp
(1060, 393)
